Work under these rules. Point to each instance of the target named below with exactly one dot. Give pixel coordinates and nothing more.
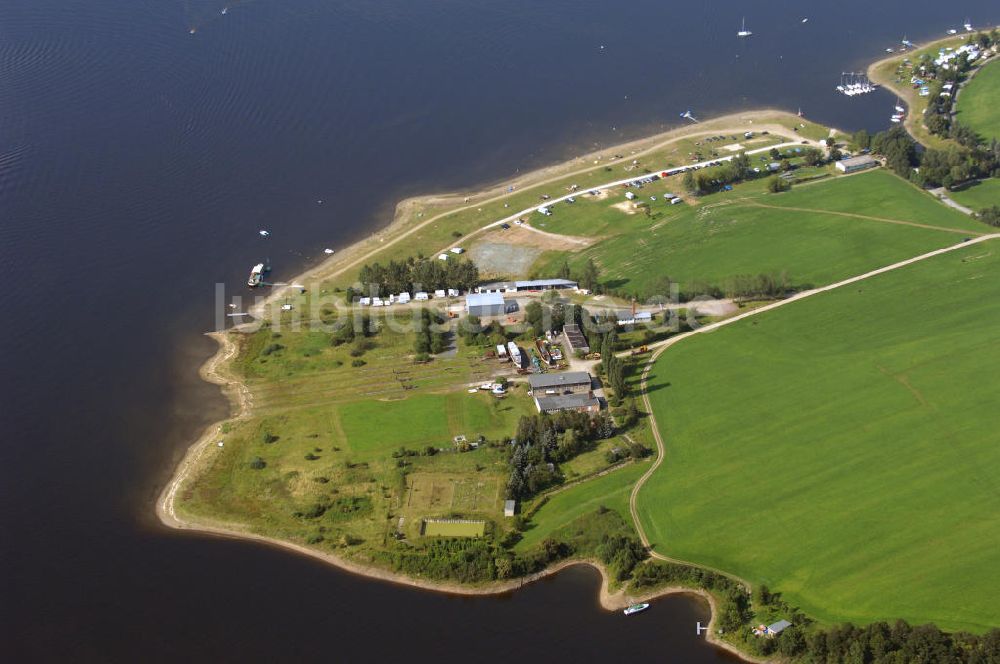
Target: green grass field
(427, 419)
(843, 449)
(611, 491)
(979, 102)
(980, 195)
(451, 528)
(816, 233)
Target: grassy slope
(728, 234)
(611, 491)
(980, 195)
(842, 450)
(979, 102)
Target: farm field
(980, 195)
(842, 449)
(816, 233)
(979, 102)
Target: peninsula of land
(475, 397)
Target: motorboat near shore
(636, 608)
(256, 275)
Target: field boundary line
(884, 220)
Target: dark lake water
(137, 161)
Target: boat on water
(636, 608)
(743, 29)
(256, 275)
(967, 25)
(852, 83)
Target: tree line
(706, 181)
(939, 118)
(613, 367)
(951, 167)
(877, 643)
(380, 280)
(431, 338)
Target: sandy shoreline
(444, 204)
(216, 369)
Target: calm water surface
(137, 161)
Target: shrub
(990, 215)
(358, 362)
(258, 463)
(311, 457)
(776, 185)
(316, 510)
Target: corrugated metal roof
(566, 401)
(779, 626)
(639, 315)
(857, 161)
(545, 381)
(542, 283)
(483, 299)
